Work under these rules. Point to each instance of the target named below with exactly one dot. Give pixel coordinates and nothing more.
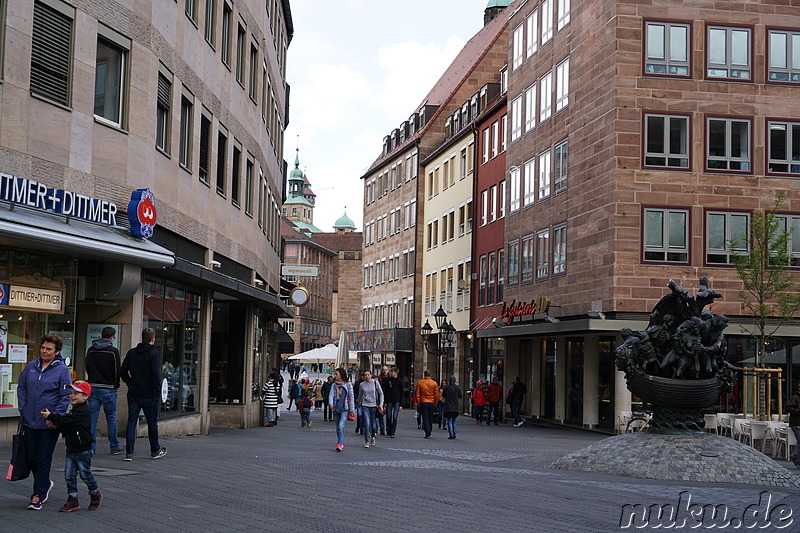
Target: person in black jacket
(517, 394)
(102, 372)
(76, 428)
(393, 396)
(141, 371)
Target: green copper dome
(296, 174)
(345, 222)
(498, 3)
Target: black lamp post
(444, 338)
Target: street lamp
(444, 338)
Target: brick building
(641, 137)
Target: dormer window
(474, 105)
(456, 122)
(448, 127)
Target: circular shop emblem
(142, 213)
(2, 293)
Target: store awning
(285, 342)
(199, 275)
(28, 228)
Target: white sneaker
(366, 445)
(372, 441)
(519, 424)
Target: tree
(770, 291)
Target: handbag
(18, 468)
(351, 415)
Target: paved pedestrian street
(287, 479)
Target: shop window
(667, 49)
(784, 147)
(51, 51)
(784, 56)
(728, 144)
(728, 53)
(666, 235)
(227, 356)
(666, 140)
(727, 234)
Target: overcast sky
(357, 69)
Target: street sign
(311, 271)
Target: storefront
(390, 347)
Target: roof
(340, 241)
(305, 226)
(344, 222)
(498, 3)
(454, 76)
(297, 200)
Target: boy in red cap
(76, 426)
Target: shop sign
(515, 308)
(142, 213)
(19, 297)
(30, 193)
(300, 270)
(17, 353)
(376, 359)
(390, 359)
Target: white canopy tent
(326, 353)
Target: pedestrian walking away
(383, 379)
(317, 397)
(341, 403)
(452, 404)
(141, 371)
(479, 401)
(76, 426)
(43, 384)
(305, 410)
(495, 397)
(516, 395)
(393, 397)
(102, 373)
(427, 393)
(271, 395)
(370, 396)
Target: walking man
(141, 371)
(427, 392)
(102, 373)
(393, 395)
(517, 393)
(384, 380)
(495, 397)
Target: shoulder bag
(18, 469)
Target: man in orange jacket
(427, 393)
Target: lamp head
(440, 316)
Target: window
(240, 54)
(222, 153)
(516, 118)
(248, 188)
(485, 145)
(728, 144)
(187, 111)
(527, 259)
(543, 254)
(504, 134)
(666, 139)
(666, 235)
(211, 21)
(545, 96)
(191, 10)
(530, 108)
(790, 224)
(205, 146)
(501, 268)
(163, 112)
(529, 183)
(533, 34)
(462, 167)
(225, 50)
(495, 139)
(726, 234)
(413, 213)
(728, 53)
(516, 59)
(502, 188)
(667, 49)
(563, 13)
(513, 193)
(253, 72)
(513, 263)
(236, 166)
(560, 171)
(484, 206)
(51, 51)
(482, 281)
(469, 216)
(784, 56)
(544, 175)
(547, 20)
(493, 203)
(562, 85)
(492, 278)
(783, 147)
(110, 75)
(559, 250)
(288, 325)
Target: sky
(357, 69)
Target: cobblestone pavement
(493, 479)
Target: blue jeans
(392, 412)
(440, 409)
(305, 418)
(341, 419)
(39, 447)
(368, 422)
(494, 409)
(79, 463)
(272, 414)
(107, 398)
(451, 426)
(150, 408)
(515, 405)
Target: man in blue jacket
(141, 371)
(43, 384)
